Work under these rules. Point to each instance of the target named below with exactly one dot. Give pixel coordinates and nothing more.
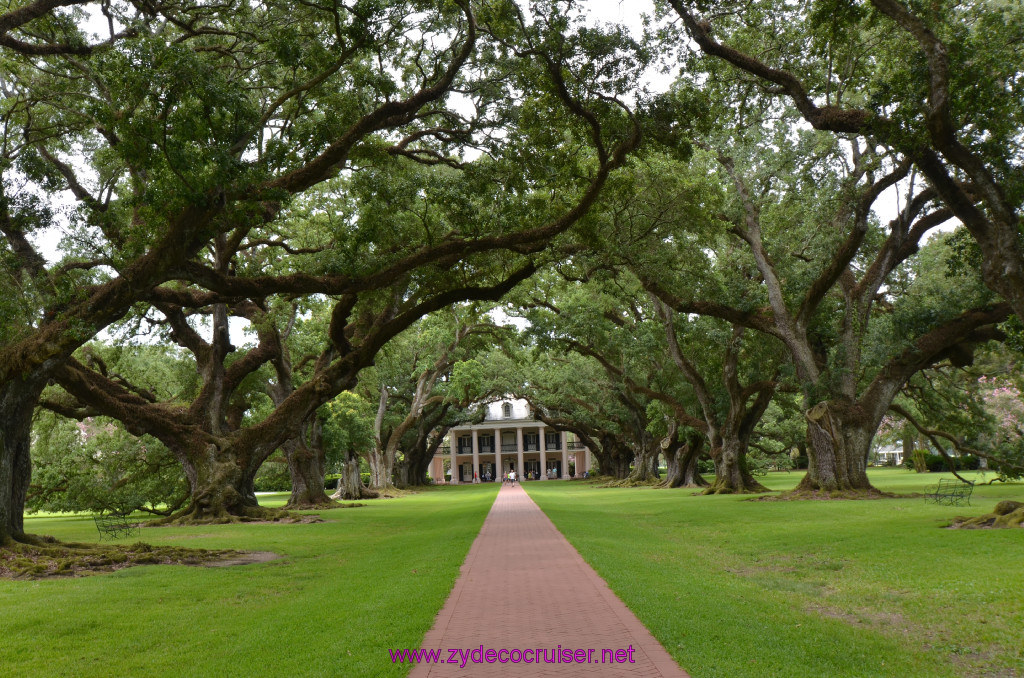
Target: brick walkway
(524, 586)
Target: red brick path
(524, 586)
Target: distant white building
(888, 453)
(509, 438)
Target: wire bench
(114, 525)
(951, 492)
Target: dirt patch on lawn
(243, 558)
(875, 618)
(47, 558)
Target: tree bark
(412, 471)
(642, 471)
(307, 466)
(221, 482)
(732, 476)
(613, 458)
(837, 452)
(350, 485)
(380, 470)
(681, 464)
(18, 399)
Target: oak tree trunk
(221, 481)
(681, 464)
(307, 465)
(732, 475)
(412, 471)
(612, 461)
(350, 485)
(837, 451)
(307, 468)
(17, 403)
(645, 465)
(380, 470)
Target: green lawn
(807, 588)
(731, 588)
(368, 579)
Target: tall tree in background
(413, 379)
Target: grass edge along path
(806, 588)
(346, 590)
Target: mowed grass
(807, 588)
(369, 579)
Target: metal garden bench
(114, 525)
(951, 492)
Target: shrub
(273, 478)
(97, 466)
(936, 463)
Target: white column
(454, 440)
(543, 454)
(586, 458)
(565, 456)
(497, 455)
(519, 449)
(476, 457)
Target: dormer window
(506, 410)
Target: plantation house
(509, 438)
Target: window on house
(507, 410)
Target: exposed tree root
(194, 515)
(352, 495)
(314, 504)
(749, 487)
(1006, 514)
(51, 558)
(392, 492)
(632, 482)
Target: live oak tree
(177, 155)
(161, 150)
(574, 393)
(412, 379)
(937, 84)
(348, 433)
(711, 378)
(834, 286)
